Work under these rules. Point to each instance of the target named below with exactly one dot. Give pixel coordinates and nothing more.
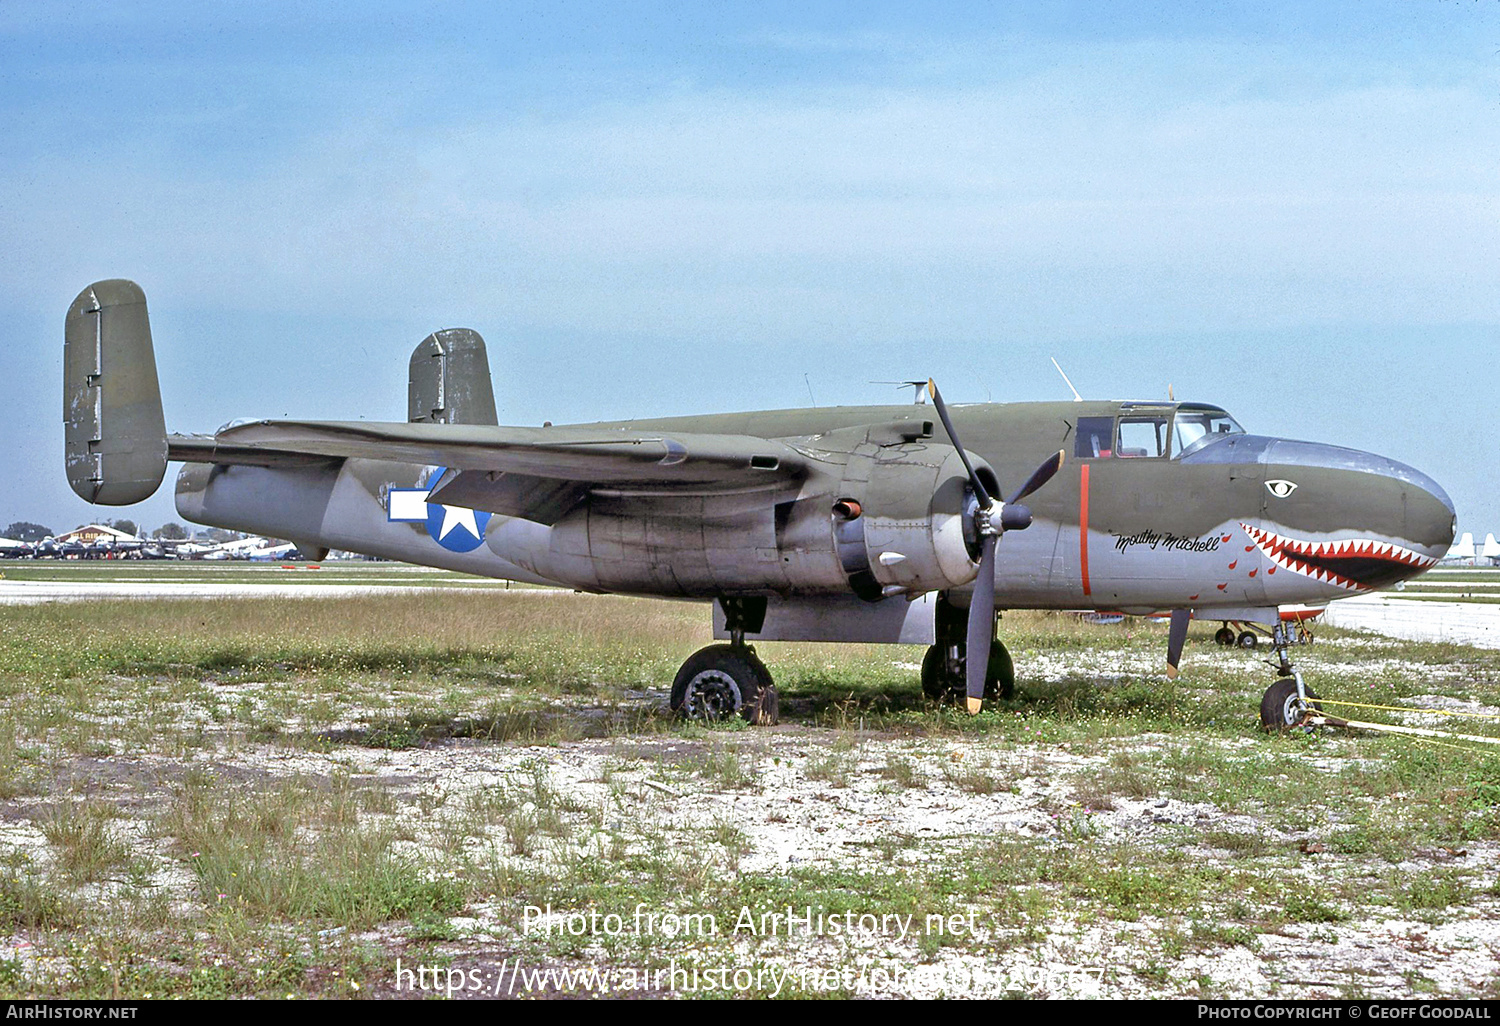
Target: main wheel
(1224, 636)
(1248, 640)
(1280, 708)
(1000, 677)
(724, 680)
(941, 683)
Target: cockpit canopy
(1151, 430)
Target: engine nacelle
(899, 524)
(882, 513)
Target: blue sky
(1289, 209)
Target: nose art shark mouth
(1355, 563)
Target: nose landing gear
(1288, 702)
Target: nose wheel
(1288, 702)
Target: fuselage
(1160, 505)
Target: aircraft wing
(535, 473)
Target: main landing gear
(944, 666)
(1250, 635)
(721, 681)
(1288, 702)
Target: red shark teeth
(1282, 552)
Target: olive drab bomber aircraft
(857, 524)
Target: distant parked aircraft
(1462, 550)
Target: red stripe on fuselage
(1083, 526)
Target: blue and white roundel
(455, 528)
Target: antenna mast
(1076, 397)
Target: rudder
(114, 429)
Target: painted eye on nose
(1281, 488)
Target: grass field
(260, 797)
(358, 572)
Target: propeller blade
(981, 628)
(1175, 638)
(1040, 476)
(942, 411)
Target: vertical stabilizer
(115, 435)
(450, 380)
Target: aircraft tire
(1248, 640)
(1279, 708)
(941, 686)
(936, 681)
(1224, 636)
(721, 681)
(1000, 681)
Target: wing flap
(545, 500)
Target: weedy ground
(267, 797)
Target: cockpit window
(1142, 436)
(1096, 437)
(1193, 429)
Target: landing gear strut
(944, 666)
(721, 681)
(1289, 701)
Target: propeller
(991, 519)
(1176, 635)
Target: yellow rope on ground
(1442, 744)
(1418, 738)
(1409, 709)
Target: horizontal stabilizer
(114, 434)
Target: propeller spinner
(992, 518)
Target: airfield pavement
(208, 795)
(1465, 623)
(40, 582)
(27, 593)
